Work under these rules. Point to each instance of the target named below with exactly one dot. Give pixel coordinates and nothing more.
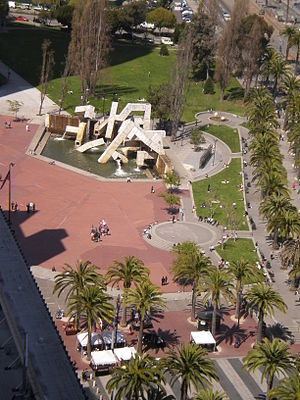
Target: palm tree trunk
(89, 343)
(297, 59)
(123, 322)
(214, 319)
(275, 240)
(238, 301)
(287, 52)
(260, 327)
(270, 384)
(183, 391)
(193, 304)
(140, 338)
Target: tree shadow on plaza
(279, 331)
(39, 246)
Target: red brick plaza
(68, 203)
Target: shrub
(209, 87)
(164, 50)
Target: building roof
(50, 372)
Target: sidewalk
(19, 89)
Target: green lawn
(226, 194)
(240, 249)
(127, 76)
(228, 135)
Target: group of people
(96, 233)
(29, 206)
(164, 280)
(14, 206)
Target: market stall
(108, 337)
(125, 353)
(204, 338)
(103, 360)
(96, 341)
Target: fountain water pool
(65, 152)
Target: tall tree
(89, 45)
(131, 270)
(161, 17)
(93, 304)
(288, 33)
(189, 267)
(204, 41)
(272, 357)
(179, 78)
(290, 253)
(288, 389)
(134, 378)
(145, 297)
(296, 43)
(209, 394)
(191, 364)
(216, 284)
(265, 299)
(46, 71)
(228, 53)
(244, 273)
(71, 281)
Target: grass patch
(228, 135)
(127, 77)
(245, 125)
(226, 194)
(240, 249)
(236, 250)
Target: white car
(147, 25)
(166, 40)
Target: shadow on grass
(234, 93)
(112, 91)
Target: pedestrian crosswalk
(236, 382)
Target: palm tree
(272, 208)
(145, 297)
(191, 364)
(294, 274)
(216, 283)
(265, 299)
(135, 377)
(244, 273)
(261, 108)
(296, 42)
(130, 270)
(278, 69)
(288, 389)
(189, 267)
(272, 357)
(93, 304)
(75, 280)
(158, 394)
(288, 32)
(290, 254)
(274, 183)
(209, 394)
(289, 223)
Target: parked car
(152, 339)
(23, 19)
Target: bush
(164, 50)
(209, 86)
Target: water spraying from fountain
(119, 170)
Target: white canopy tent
(203, 338)
(103, 359)
(107, 339)
(125, 353)
(83, 339)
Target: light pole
(8, 177)
(103, 104)
(114, 338)
(215, 150)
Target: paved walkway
(19, 89)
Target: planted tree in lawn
(265, 300)
(172, 200)
(46, 71)
(189, 267)
(134, 378)
(145, 297)
(161, 17)
(273, 358)
(191, 365)
(90, 43)
(131, 270)
(172, 180)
